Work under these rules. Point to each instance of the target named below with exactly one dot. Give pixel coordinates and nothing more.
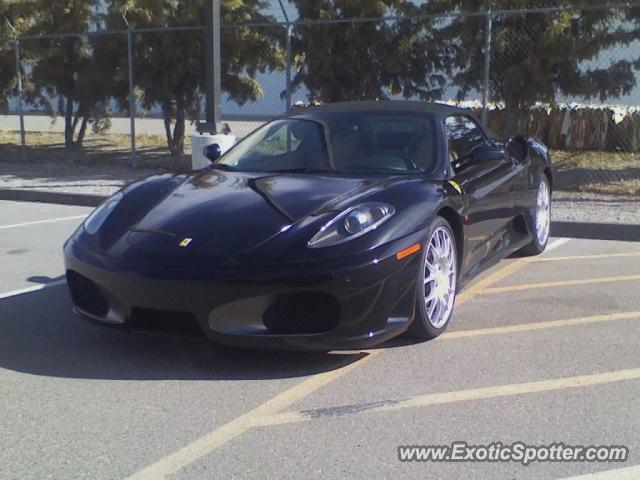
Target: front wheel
(436, 282)
(541, 220)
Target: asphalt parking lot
(541, 350)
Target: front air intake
(165, 322)
(86, 295)
(302, 312)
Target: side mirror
(213, 152)
(517, 148)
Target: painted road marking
(218, 437)
(509, 269)
(223, 434)
(582, 257)
(564, 283)
(556, 243)
(483, 284)
(430, 399)
(40, 222)
(524, 327)
(628, 473)
(35, 288)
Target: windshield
(390, 143)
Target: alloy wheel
(440, 277)
(543, 214)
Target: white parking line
(35, 288)
(39, 222)
(556, 243)
(628, 473)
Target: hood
(228, 215)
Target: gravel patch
(595, 208)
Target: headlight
(95, 220)
(352, 223)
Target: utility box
(200, 141)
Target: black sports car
(333, 227)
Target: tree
(7, 68)
(169, 66)
(541, 56)
(13, 20)
(66, 77)
(367, 60)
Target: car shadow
(40, 335)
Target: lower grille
(165, 322)
(302, 312)
(86, 294)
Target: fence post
(487, 65)
(288, 65)
(132, 99)
(23, 142)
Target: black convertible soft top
(436, 109)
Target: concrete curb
(596, 231)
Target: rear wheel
(436, 282)
(541, 220)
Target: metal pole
(132, 100)
(212, 74)
(23, 141)
(288, 65)
(487, 65)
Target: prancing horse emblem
(185, 242)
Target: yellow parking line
(523, 327)
(581, 257)
(482, 285)
(514, 389)
(223, 434)
(564, 283)
(175, 461)
(477, 288)
(462, 395)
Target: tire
(432, 319)
(540, 219)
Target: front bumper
(348, 303)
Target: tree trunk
(68, 123)
(179, 129)
(82, 132)
(167, 128)
(511, 119)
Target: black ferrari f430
(333, 227)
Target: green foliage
(169, 66)
(7, 72)
(13, 17)
(66, 70)
(535, 57)
(367, 60)
(539, 56)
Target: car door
(524, 192)
(485, 174)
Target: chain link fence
(566, 76)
